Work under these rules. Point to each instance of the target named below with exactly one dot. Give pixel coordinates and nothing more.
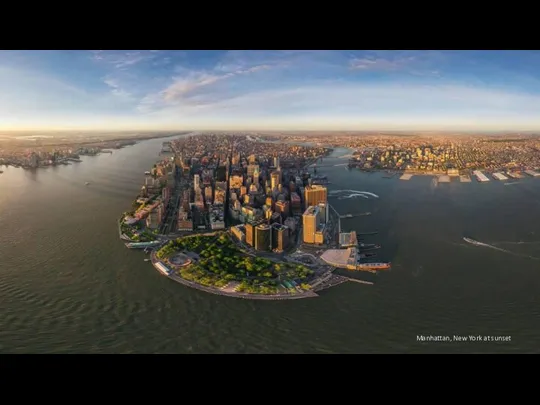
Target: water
(68, 284)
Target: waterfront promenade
(216, 291)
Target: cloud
(116, 89)
(123, 60)
(381, 64)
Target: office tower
(310, 220)
(313, 195)
(275, 179)
(283, 208)
(280, 237)
(251, 169)
(263, 237)
(250, 234)
(324, 212)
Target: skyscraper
(310, 220)
(263, 237)
(280, 237)
(313, 195)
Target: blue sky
(155, 89)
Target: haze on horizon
(269, 90)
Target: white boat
(87, 183)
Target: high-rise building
(324, 212)
(250, 234)
(313, 195)
(280, 237)
(263, 237)
(251, 169)
(283, 208)
(310, 220)
(196, 183)
(275, 179)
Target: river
(68, 284)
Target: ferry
(142, 245)
(368, 246)
(373, 266)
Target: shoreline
(262, 297)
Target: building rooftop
(312, 210)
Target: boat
(142, 245)
(87, 183)
(146, 260)
(147, 173)
(373, 266)
(368, 246)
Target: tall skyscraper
(310, 220)
(250, 234)
(313, 195)
(263, 237)
(280, 237)
(275, 179)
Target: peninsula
(235, 215)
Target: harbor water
(69, 285)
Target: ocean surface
(69, 285)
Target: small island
(213, 263)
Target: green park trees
(221, 262)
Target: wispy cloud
(381, 64)
(122, 60)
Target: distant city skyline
(270, 90)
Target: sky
(269, 90)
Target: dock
(358, 281)
(515, 175)
(499, 176)
(406, 176)
(465, 179)
(481, 177)
(532, 173)
(444, 179)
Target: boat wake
(517, 243)
(352, 194)
(476, 243)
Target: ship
(147, 173)
(142, 245)
(368, 246)
(373, 266)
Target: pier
(358, 281)
(406, 176)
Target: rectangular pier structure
(532, 173)
(481, 177)
(406, 176)
(465, 179)
(499, 176)
(444, 179)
